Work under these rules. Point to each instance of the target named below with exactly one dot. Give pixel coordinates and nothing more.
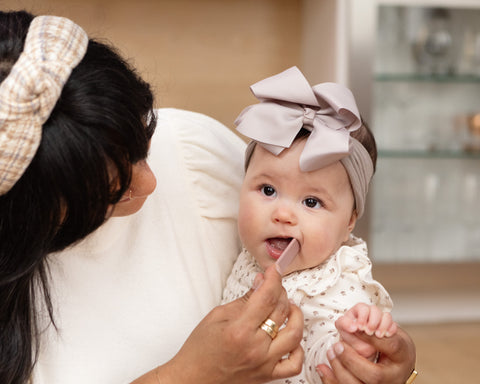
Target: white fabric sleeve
(325, 293)
(350, 282)
(127, 297)
(211, 159)
(320, 329)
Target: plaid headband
(287, 104)
(53, 47)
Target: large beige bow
(53, 47)
(288, 103)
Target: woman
(86, 299)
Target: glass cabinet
(425, 113)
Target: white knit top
(127, 297)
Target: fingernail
(320, 373)
(257, 283)
(338, 347)
(369, 332)
(330, 354)
(379, 334)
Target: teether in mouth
(287, 256)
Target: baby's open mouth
(276, 245)
(279, 242)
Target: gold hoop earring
(127, 198)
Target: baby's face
(279, 202)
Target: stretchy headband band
(287, 104)
(53, 47)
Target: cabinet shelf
(425, 154)
(426, 78)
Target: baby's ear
(351, 225)
(353, 221)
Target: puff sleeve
(203, 167)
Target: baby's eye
(268, 190)
(312, 202)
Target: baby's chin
(263, 261)
(264, 264)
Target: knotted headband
(53, 47)
(287, 104)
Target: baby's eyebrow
(262, 176)
(318, 189)
(321, 192)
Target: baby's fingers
(385, 328)
(392, 330)
(374, 320)
(347, 323)
(359, 312)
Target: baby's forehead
(294, 150)
(286, 166)
(252, 145)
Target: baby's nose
(284, 213)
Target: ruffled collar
(351, 257)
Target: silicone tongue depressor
(287, 256)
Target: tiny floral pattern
(323, 293)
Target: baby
(308, 167)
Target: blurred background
(414, 67)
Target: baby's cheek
(245, 221)
(318, 246)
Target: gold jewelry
(270, 323)
(269, 330)
(412, 377)
(270, 327)
(127, 198)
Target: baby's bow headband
(288, 103)
(53, 47)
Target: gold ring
(412, 377)
(270, 327)
(270, 323)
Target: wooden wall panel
(199, 54)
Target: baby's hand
(365, 318)
(369, 319)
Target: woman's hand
(394, 365)
(229, 347)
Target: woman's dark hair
(100, 126)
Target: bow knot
(287, 104)
(308, 117)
